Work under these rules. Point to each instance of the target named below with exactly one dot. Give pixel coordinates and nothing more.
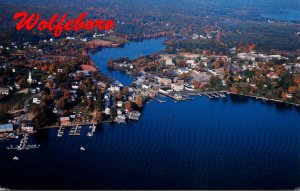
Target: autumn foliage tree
(292, 89)
(128, 106)
(125, 90)
(139, 102)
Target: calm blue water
(131, 50)
(231, 143)
(290, 15)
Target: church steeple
(29, 80)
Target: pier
(60, 131)
(91, 130)
(75, 131)
(23, 145)
(185, 95)
(160, 101)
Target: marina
(75, 131)
(60, 131)
(185, 95)
(23, 145)
(91, 130)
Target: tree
(118, 95)
(215, 81)
(60, 104)
(297, 80)
(234, 90)
(139, 102)
(125, 91)
(99, 116)
(128, 106)
(21, 82)
(292, 89)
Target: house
(119, 112)
(6, 128)
(36, 101)
(189, 87)
(75, 85)
(114, 88)
(101, 84)
(145, 86)
(119, 103)
(165, 90)
(27, 126)
(272, 75)
(169, 62)
(4, 91)
(177, 87)
(164, 81)
(64, 120)
(191, 63)
(183, 71)
(289, 96)
(107, 111)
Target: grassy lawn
(15, 101)
(114, 39)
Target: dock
(160, 101)
(75, 131)
(91, 130)
(60, 131)
(23, 145)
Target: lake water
(227, 143)
(131, 50)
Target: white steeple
(29, 80)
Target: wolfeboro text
(59, 25)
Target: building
(29, 79)
(36, 101)
(183, 71)
(6, 128)
(177, 87)
(119, 103)
(272, 75)
(165, 90)
(169, 62)
(64, 120)
(4, 91)
(27, 126)
(107, 111)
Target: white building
(29, 79)
(177, 87)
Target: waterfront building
(64, 120)
(6, 128)
(4, 91)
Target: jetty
(91, 130)
(75, 131)
(160, 101)
(23, 145)
(60, 131)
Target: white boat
(16, 158)
(134, 115)
(82, 149)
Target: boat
(120, 119)
(16, 158)
(82, 149)
(134, 115)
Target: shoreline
(266, 99)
